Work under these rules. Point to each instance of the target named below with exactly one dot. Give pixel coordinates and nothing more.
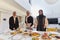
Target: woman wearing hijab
(28, 19)
(41, 21)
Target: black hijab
(41, 16)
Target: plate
(13, 33)
(35, 34)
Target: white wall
(0, 17)
(50, 10)
(9, 7)
(7, 15)
(6, 11)
(24, 3)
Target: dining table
(19, 36)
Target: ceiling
(13, 3)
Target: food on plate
(51, 29)
(52, 35)
(47, 39)
(58, 37)
(19, 31)
(25, 33)
(35, 38)
(45, 36)
(13, 33)
(35, 34)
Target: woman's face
(40, 12)
(27, 13)
(14, 13)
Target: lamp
(51, 1)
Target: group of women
(40, 23)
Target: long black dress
(41, 22)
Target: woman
(28, 19)
(41, 21)
(13, 22)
